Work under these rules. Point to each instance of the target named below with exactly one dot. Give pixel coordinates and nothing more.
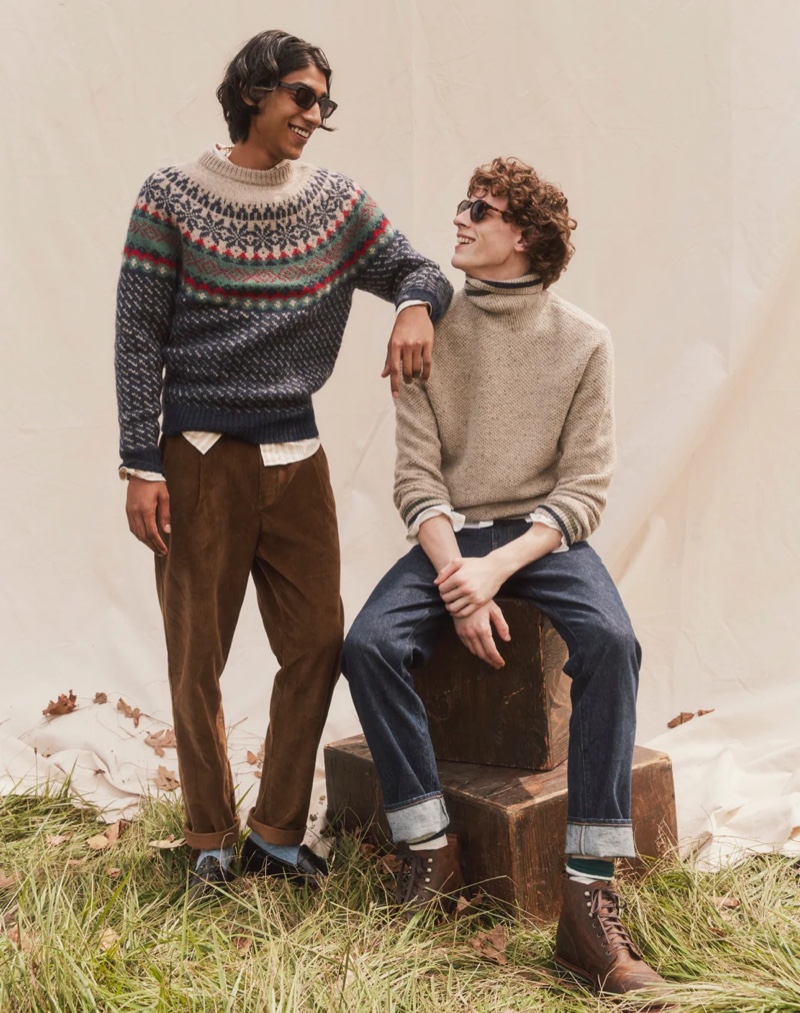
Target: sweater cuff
(142, 459)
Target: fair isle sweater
(235, 289)
(517, 414)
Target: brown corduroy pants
(231, 517)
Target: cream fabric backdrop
(671, 127)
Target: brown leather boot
(593, 944)
(429, 878)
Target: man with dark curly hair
(236, 285)
(503, 465)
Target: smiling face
(492, 249)
(281, 128)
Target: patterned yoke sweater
(234, 293)
(517, 415)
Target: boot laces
(410, 876)
(605, 907)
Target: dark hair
(539, 208)
(257, 68)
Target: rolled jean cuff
(213, 840)
(600, 840)
(275, 835)
(416, 820)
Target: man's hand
(467, 584)
(475, 633)
(409, 352)
(147, 508)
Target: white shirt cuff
(456, 519)
(543, 517)
(412, 302)
(148, 476)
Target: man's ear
(522, 245)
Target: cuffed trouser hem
(418, 820)
(600, 840)
(275, 835)
(216, 839)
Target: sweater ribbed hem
(278, 425)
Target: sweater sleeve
(418, 482)
(390, 268)
(145, 305)
(587, 450)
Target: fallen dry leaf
(13, 933)
(108, 938)
(467, 904)
(257, 773)
(130, 712)
(243, 943)
(64, 705)
(369, 851)
(100, 698)
(75, 861)
(491, 945)
(56, 840)
(709, 711)
(167, 843)
(114, 872)
(98, 843)
(681, 719)
(6, 882)
(391, 863)
(726, 903)
(165, 739)
(165, 779)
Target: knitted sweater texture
(234, 293)
(517, 414)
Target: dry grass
(76, 938)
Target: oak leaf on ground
(100, 698)
(108, 938)
(166, 780)
(254, 759)
(56, 840)
(6, 882)
(114, 872)
(65, 704)
(165, 739)
(130, 712)
(681, 719)
(491, 945)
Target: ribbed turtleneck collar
(278, 176)
(501, 296)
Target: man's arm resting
(467, 584)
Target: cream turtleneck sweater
(517, 415)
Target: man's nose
(312, 116)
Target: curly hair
(539, 208)
(257, 68)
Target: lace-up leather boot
(429, 878)
(592, 942)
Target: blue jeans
(396, 631)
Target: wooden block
(510, 822)
(515, 717)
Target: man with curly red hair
(504, 459)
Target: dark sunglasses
(479, 209)
(305, 98)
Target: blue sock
(223, 855)
(285, 852)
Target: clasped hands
(467, 588)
